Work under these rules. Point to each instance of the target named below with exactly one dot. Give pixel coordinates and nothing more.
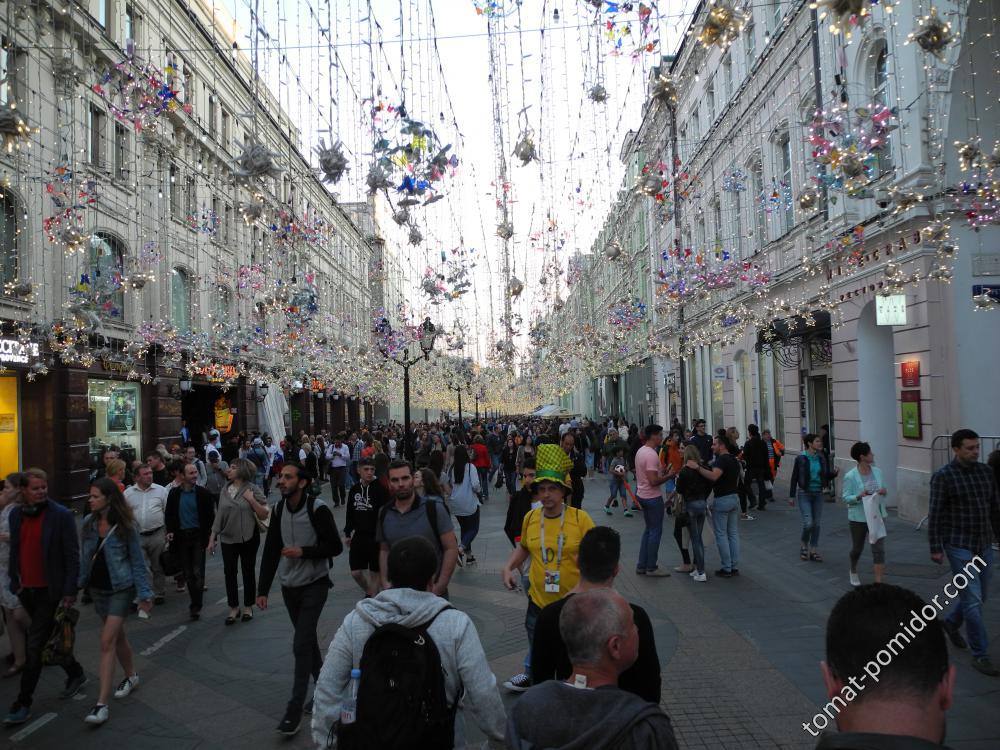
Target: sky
(479, 80)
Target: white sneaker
(700, 577)
(855, 581)
(126, 686)
(98, 715)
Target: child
(520, 502)
(616, 470)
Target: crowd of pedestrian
(591, 676)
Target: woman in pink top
(649, 475)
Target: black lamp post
(428, 334)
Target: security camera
(882, 198)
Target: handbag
(170, 563)
(58, 649)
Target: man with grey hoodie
(589, 711)
(411, 569)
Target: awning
(789, 339)
(545, 411)
(271, 413)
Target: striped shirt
(963, 506)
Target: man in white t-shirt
(649, 475)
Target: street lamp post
(404, 360)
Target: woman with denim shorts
(112, 565)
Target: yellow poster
(223, 417)
(10, 457)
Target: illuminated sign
(13, 351)
(218, 373)
(890, 310)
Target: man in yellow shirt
(550, 540)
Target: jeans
(192, 552)
(152, 548)
(530, 618)
(510, 479)
(697, 510)
(811, 508)
(649, 545)
(469, 526)
(305, 605)
(243, 554)
(589, 458)
(338, 477)
(484, 481)
(969, 607)
(617, 487)
(494, 464)
(727, 535)
(41, 608)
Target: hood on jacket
(405, 607)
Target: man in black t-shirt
(364, 500)
(724, 473)
(600, 550)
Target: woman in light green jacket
(866, 479)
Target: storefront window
(115, 416)
(778, 428)
(718, 416)
(764, 391)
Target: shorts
(363, 552)
(113, 603)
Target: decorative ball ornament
(933, 35)
(613, 251)
(808, 199)
(853, 165)
(649, 184)
(663, 90)
(377, 179)
(71, 238)
(332, 161)
(515, 287)
(21, 290)
(251, 210)
(722, 25)
(597, 93)
(505, 230)
(401, 217)
(524, 149)
(415, 237)
(256, 161)
(969, 154)
(984, 302)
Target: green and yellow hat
(552, 465)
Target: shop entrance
(206, 407)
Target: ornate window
(879, 86)
(180, 300)
(11, 218)
(106, 263)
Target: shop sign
(218, 373)
(890, 310)
(909, 408)
(13, 351)
(718, 373)
(910, 373)
(111, 365)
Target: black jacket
(61, 550)
(363, 505)
(691, 485)
(868, 741)
(206, 511)
(755, 455)
(517, 509)
(800, 472)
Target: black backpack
(402, 702)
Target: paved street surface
(739, 657)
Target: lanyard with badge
(552, 576)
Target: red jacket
(480, 456)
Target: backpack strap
(311, 511)
(432, 520)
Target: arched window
(180, 300)
(106, 263)
(11, 217)
(879, 82)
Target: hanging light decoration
(524, 149)
(722, 25)
(933, 34)
(597, 93)
(332, 161)
(515, 287)
(256, 161)
(505, 230)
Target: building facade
(152, 277)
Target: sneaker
(126, 686)
(181, 587)
(657, 573)
(683, 568)
(984, 665)
(18, 714)
(735, 571)
(289, 725)
(954, 634)
(308, 708)
(693, 573)
(470, 560)
(73, 686)
(723, 573)
(607, 510)
(518, 683)
(747, 517)
(628, 514)
(855, 580)
(700, 577)
(143, 614)
(97, 716)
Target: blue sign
(992, 289)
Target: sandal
(230, 620)
(247, 616)
(815, 557)
(804, 554)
